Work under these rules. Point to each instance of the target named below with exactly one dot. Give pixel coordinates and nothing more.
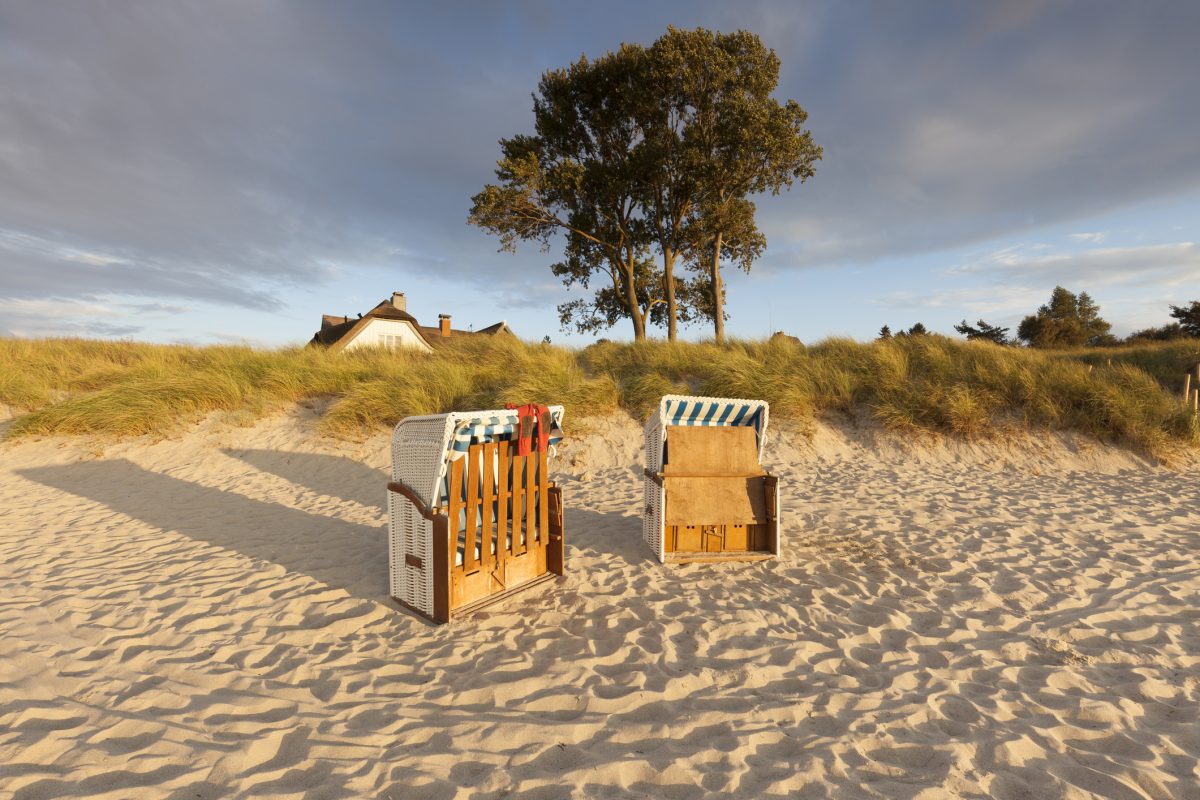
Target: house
(390, 325)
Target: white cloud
(51, 309)
(98, 316)
(995, 301)
(135, 162)
(1096, 237)
(26, 243)
(1133, 285)
(1160, 265)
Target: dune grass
(932, 383)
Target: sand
(206, 617)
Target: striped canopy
(483, 430)
(679, 410)
(497, 426)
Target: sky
(229, 171)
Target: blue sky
(230, 171)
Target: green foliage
(918, 329)
(924, 383)
(644, 149)
(1166, 333)
(714, 135)
(1068, 320)
(1188, 318)
(982, 331)
(578, 176)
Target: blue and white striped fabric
(495, 428)
(484, 430)
(687, 411)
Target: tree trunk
(635, 310)
(669, 280)
(717, 291)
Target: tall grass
(65, 386)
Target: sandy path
(204, 618)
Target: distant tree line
(916, 330)
(1070, 320)
(644, 160)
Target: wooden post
(454, 510)
(474, 461)
(1195, 399)
(518, 501)
(1187, 388)
(443, 562)
(503, 522)
(489, 505)
(556, 546)
(530, 503)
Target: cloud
(956, 131)
(95, 316)
(37, 266)
(997, 301)
(226, 153)
(1161, 265)
(1132, 284)
(231, 154)
(1096, 237)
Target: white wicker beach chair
(709, 499)
(470, 519)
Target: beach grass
(931, 383)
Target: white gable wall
(388, 333)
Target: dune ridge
(206, 617)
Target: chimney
(398, 301)
(444, 324)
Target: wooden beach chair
(473, 515)
(707, 496)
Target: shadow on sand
(605, 534)
(338, 553)
(336, 476)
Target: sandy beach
(206, 617)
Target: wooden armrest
(413, 497)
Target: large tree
(731, 139)
(647, 149)
(1068, 320)
(1188, 317)
(578, 176)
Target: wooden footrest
(507, 593)
(685, 557)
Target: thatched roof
(335, 329)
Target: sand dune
(206, 618)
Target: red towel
(529, 417)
